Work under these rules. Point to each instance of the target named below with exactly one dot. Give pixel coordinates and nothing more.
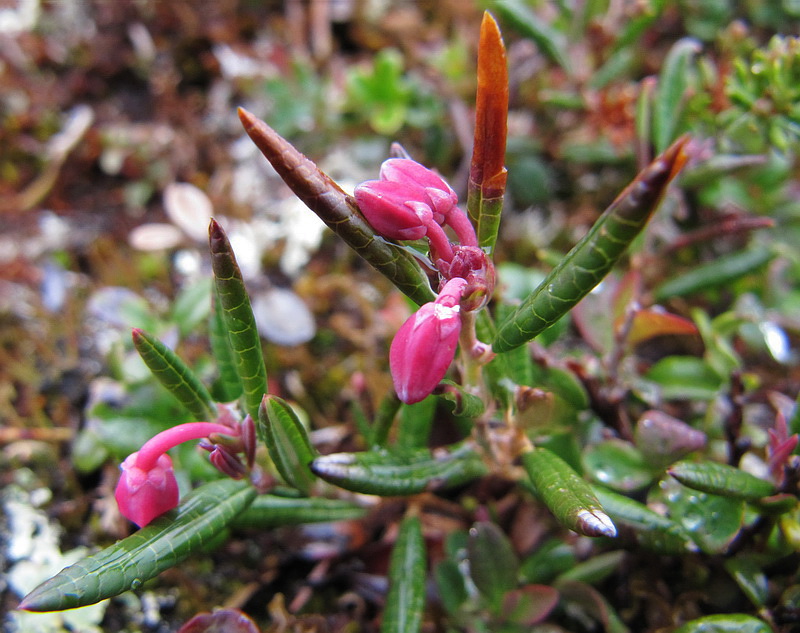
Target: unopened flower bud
(425, 345)
(392, 209)
(425, 185)
(472, 264)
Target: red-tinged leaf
(652, 322)
(487, 178)
(530, 604)
(220, 621)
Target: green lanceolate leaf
(229, 384)
(567, 496)
(594, 256)
(718, 273)
(173, 373)
(287, 442)
(269, 511)
(488, 175)
(239, 320)
(673, 83)
(384, 417)
(652, 530)
(388, 474)
(406, 599)
(722, 480)
(338, 210)
(164, 543)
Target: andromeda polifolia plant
(465, 345)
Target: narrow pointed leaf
(287, 442)
(388, 474)
(718, 273)
(406, 599)
(673, 83)
(229, 383)
(552, 43)
(338, 210)
(239, 320)
(384, 417)
(594, 256)
(487, 178)
(567, 496)
(722, 480)
(175, 375)
(652, 530)
(493, 565)
(269, 511)
(162, 544)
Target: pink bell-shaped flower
(425, 345)
(143, 494)
(147, 487)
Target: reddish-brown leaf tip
(487, 170)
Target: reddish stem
(161, 443)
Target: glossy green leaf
(725, 623)
(567, 496)
(673, 83)
(267, 511)
(239, 321)
(162, 544)
(175, 375)
(338, 210)
(618, 465)
(389, 474)
(493, 565)
(287, 442)
(711, 520)
(721, 479)
(595, 255)
(230, 386)
(652, 530)
(718, 273)
(405, 601)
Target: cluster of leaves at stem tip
(454, 291)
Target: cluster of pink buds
(147, 487)
(411, 202)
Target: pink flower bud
(144, 494)
(147, 487)
(427, 185)
(425, 345)
(392, 209)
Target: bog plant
(408, 224)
